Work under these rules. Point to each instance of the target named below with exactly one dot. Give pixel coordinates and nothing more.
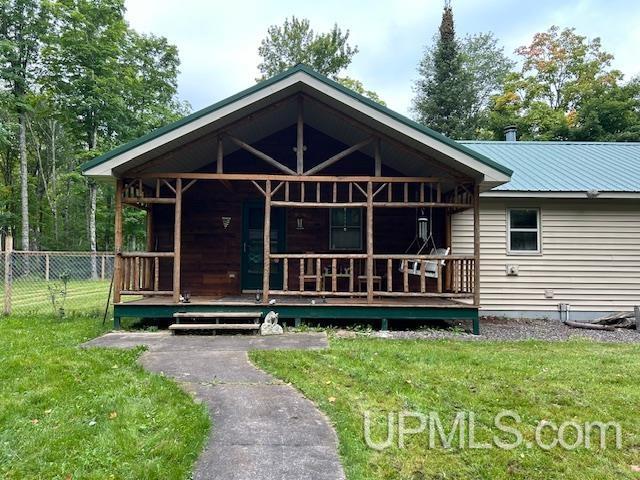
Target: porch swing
(423, 239)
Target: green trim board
(275, 79)
(355, 312)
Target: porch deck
(292, 308)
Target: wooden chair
(362, 277)
(310, 274)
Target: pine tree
(444, 92)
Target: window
(345, 229)
(523, 230)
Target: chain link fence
(59, 283)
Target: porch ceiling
(328, 108)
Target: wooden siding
(211, 254)
(590, 255)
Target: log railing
(332, 192)
(345, 275)
(318, 275)
(406, 275)
(141, 273)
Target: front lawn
(577, 381)
(69, 413)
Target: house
(301, 197)
(564, 233)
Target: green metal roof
(566, 166)
(266, 83)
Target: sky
(218, 40)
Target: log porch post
(177, 241)
(300, 140)
(117, 259)
(267, 242)
(476, 244)
(369, 242)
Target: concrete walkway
(262, 428)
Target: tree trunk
(24, 181)
(93, 190)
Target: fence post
(8, 277)
(102, 267)
(46, 267)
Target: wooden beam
(455, 174)
(377, 158)
(291, 178)
(339, 156)
(220, 156)
(476, 245)
(370, 242)
(261, 155)
(188, 185)
(117, 267)
(278, 203)
(228, 185)
(255, 184)
(177, 241)
(241, 121)
(300, 139)
(148, 200)
(267, 243)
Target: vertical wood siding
(590, 255)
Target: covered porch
(230, 242)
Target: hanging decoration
(225, 222)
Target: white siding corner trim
(590, 257)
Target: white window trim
(538, 230)
(361, 245)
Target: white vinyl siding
(590, 256)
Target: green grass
(32, 297)
(577, 380)
(69, 413)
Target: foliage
(566, 90)
(91, 83)
(443, 94)
(68, 412)
(577, 381)
(358, 87)
(58, 294)
(294, 42)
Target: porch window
(523, 230)
(345, 229)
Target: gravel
(502, 329)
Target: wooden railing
(331, 192)
(345, 275)
(141, 273)
(317, 274)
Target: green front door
(252, 245)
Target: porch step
(214, 326)
(253, 315)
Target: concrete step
(214, 326)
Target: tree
(295, 42)
(562, 74)
(22, 23)
(487, 66)
(358, 87)
(443, 93)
